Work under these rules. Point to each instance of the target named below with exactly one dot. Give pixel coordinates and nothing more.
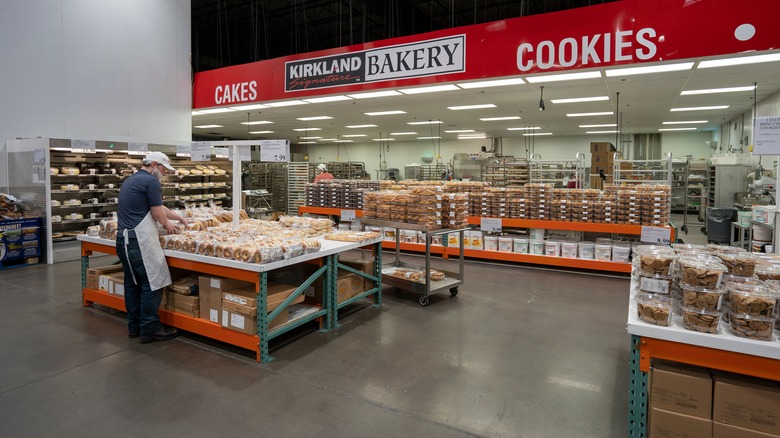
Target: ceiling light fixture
(601, 132)
(700, 108)
(248, 107)
(600, 125)
(685, 122)
(261, 132)
(385, 113)
(370, 95)
(488, 84)
(537, 133)
(455, 131)
(355, 135)
(306, 129)
(307, 119)
(467, 137)
(580, 99)
(208, 126)
(495, 119)
(664, 68)
(384, 139)
(360, 126)
(216, 110)
(329, 139)
(524, 128)
(307, 142)
(602, 113)
(310, 138)
(403, 133)
(197, 113)
(427, 138)
(257, 122)
(327, 99)
(343, 141)
(726, 62)
(677, 129)
(287, 103)
(468, 107)
(429, 122)
(718, 90)
(431, 89)
(563, 77)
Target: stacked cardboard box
(602, 159)
(93, 275)
(745, 407)
(239, 307)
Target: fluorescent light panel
(403, 133)
(216, 110)
(601, 125)
(718, 90)
(524, 128)
(468, 137)
(208, 126)
(563, 77)
(385, 113)
(197, 113)
(306, 129)
(429, 122)
(431, 89)
(600, 132)
(355, 135)
(488, 84)
(455, 131)
(664, 68)
(307, 119)
(343, 141)
(538, 133)
(261, 132)
(468, 107)
(677, 129)
(756, 59)
(309, 138)
(495, 119)
(328, 139)
(248, 107)
(361, 126)
(685, 122)
(580, 99)
(384, 139)
(700, 108)
(257, 122)
(427, 138)
(307, 142)
(602, 113)
(373, 94)
(327, 99)
(287, 103)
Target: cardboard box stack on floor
(601, 158)
(183, 296)
(692, 402)
(347, 283)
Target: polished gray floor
(518, 353)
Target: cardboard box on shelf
(363, 265)
(117, 285)
(670, 424)
(93, 275)
(347, 283)
(601, 147)
(105, 281)
(243, 318)
(681, 388)
(210, 292)
(747, 402)
(721, 430)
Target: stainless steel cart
(451, 281)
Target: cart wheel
(684, 229)
(423, 300)
(454, 291)
(704, 230)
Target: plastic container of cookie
(767, 272)
(702, 272)
(700, 320)
(751, 327)
(654, 308)
(742, 264)
(701, 297)
(753, 300)
(656, 262)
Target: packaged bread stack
(370, 204)
(424, 206)
(540, 196)
(455, 210)
(656, 204)
(583, 203)
(559, 205)
(500, 202)
(629, 207)
(485, 204)
(314, 195)
(519, 203)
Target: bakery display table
(722, 351)
(326, 314)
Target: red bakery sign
(612, 34)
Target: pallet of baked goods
(352, 236)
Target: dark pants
(141, 301)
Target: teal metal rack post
(637, 393)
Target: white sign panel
(658, 235)
(277, 151)
(221, 152)
(490, 224)
(40, 156)
(82, 146)
(183, 150)
(766, 140)
(200, 151)
(137, 148)
(348, 216)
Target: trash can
(719, 224)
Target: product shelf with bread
(215, 270)
(689, 307)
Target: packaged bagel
(701, 272)
(701, 297)
(752, 300)
(654, 308)
(742, 264)
(700, 320)
(752, 327)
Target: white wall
(95, 69)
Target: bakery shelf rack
(506, 172)
(722, 351)
(642, 171)
(326, 314)
(451, 281)
(696, 195)
(556, 172)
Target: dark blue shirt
(138, 194)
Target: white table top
(675, 332)
(329, 247)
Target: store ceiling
(645, 103)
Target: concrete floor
(518, 353)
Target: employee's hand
(171, 228)
(184, 221)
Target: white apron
(151, 252)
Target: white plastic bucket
(520, 245)
(569, 249)
(552, 248)
(621, 252)
(603, 252)
(491, 243)
(537, 248)
(587, 250)
(536, 234)
(505, 244)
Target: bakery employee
(139, 210)
(322, 173)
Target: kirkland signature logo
(425, 58)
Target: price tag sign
(659, 235)
(277, 151)
(82, 146)
(222, 152)
(137, 148)
(348, 216)
(200, 151)
(183, 150)
(490, 224)
(767, 137)
(40, 156)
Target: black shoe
(164, 334)
(133, 335)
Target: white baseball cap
(160, 158)
(322, 167)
